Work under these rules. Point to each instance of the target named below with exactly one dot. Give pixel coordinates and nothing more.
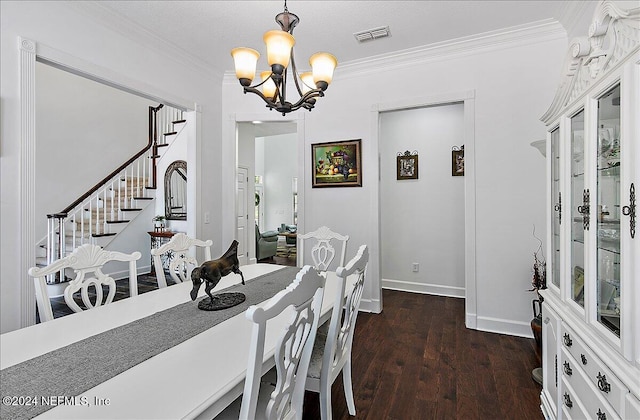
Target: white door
(242, 214)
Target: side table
(157, 240)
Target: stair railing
(110, 200)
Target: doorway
(269, 150)
(422, 228)
(468, 220)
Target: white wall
(514, 79)
(78, 123)
(65, 32)
(422, 219)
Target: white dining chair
(181, 262)
(292, 353)
(86, 260)
(323, 252)
(332, 348)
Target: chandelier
(309, 85)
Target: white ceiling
(203, 33)
(206, 31)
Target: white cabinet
(592, 301)
(550, 347)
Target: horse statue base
(221, 301)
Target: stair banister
(56, 232)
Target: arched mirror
(175, 191)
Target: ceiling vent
(372, 34)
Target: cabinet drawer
(572, 408)
(600, 376)
(632, 408)
(595, 405)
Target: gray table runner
(78, 367)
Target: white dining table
(195, 379)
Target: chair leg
(325, 400)
(348, 387)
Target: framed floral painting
(336, 164)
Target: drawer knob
(567, 340)
(567, 400)
(601, 415)
(567, 368)
(583, 358)
(602, 383)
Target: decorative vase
(536, 328)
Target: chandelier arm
(296, 76)
(278, 97)
(268, 101)
(307, 100)
(258, 85)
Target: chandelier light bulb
(279, 45)
(323, 64)
(307, 82)
(269, 86)
(245, 60)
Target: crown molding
(574, 13)
(512, 37)
(131, 30)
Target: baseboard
(430, 289)
(370, 305)
(471, 321)
(504, 326)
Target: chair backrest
(343, 318)
(323, 252)
(293, 348)
(85, 260)
(181, 262)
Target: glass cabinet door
(608, 211)
(556, 198)
(579, 209)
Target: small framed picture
(457, 161)
(407, 165)
(337, 164)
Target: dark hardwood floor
(417, 360)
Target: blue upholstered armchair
(266, 244)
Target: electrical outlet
(416, 267)
(207, 217)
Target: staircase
(104, 211)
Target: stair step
(151, 188)
(122, 202)
(117, 221)
(130, 209)
(134, 180)
(179, 122)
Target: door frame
(467, 98)
(230, 148)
